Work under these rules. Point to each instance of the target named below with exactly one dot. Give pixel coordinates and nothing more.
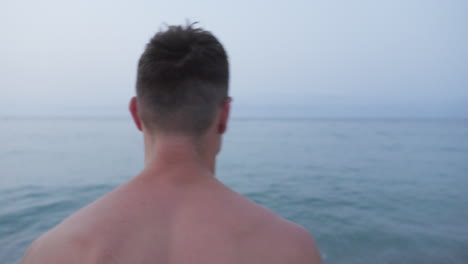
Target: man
(175, 211)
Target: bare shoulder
(66, 242)
(276, 240)
(304, 244)
(286, 242)
(272, 236)
(50, 248)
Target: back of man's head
(182, 81)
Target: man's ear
(224, 116)
(133, 107)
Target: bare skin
(175, 212)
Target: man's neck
(168, 153)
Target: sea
(369, 190)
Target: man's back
(175, 211)
(152, 221)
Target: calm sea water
(371, 191)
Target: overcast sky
(374, 58)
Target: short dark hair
(182, 80)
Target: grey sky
(374, 58)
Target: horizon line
(245, 118)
